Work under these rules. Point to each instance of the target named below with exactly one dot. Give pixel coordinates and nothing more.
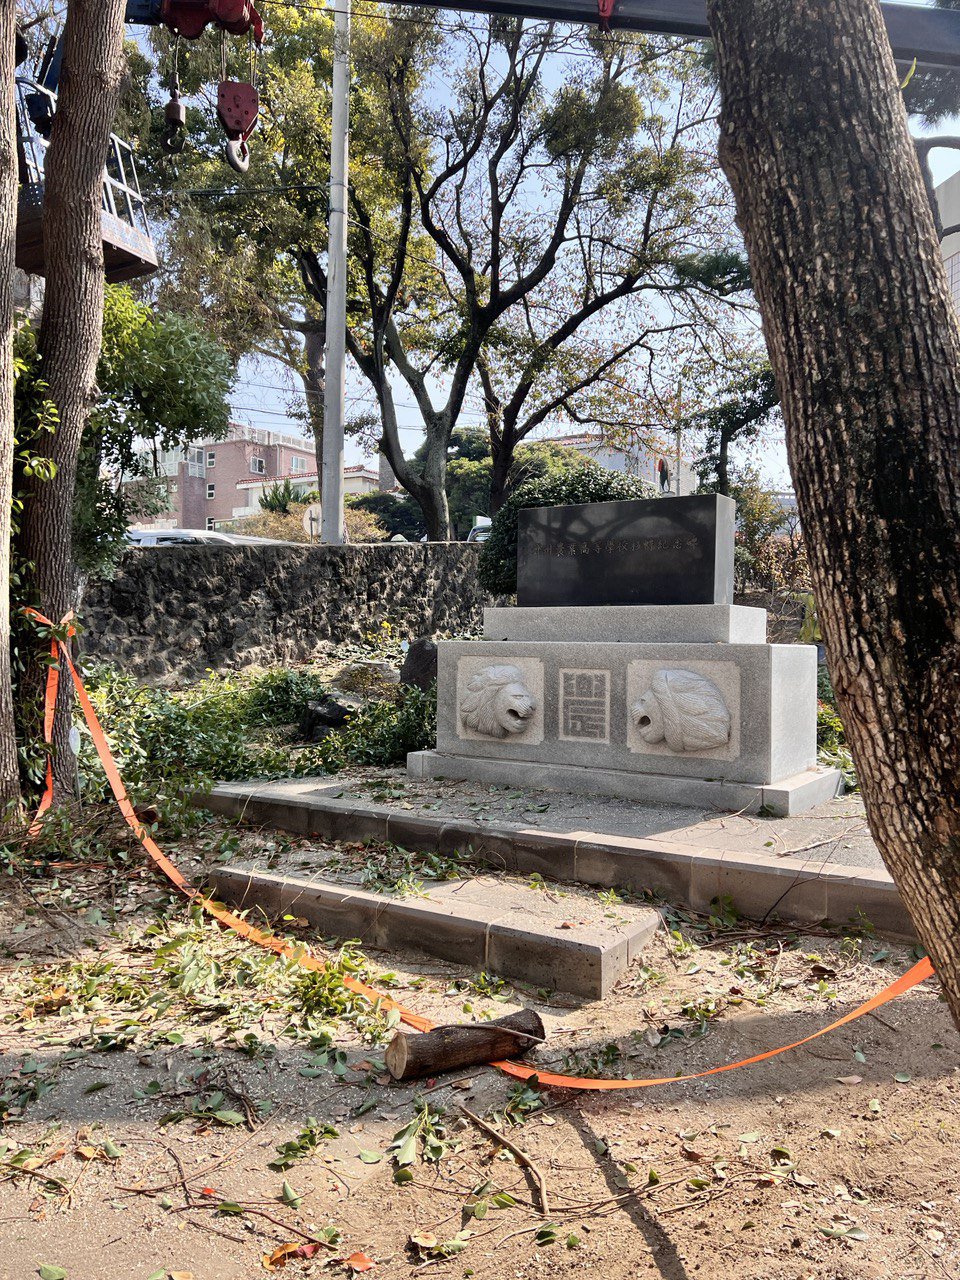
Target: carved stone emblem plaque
(693, 710)
(584, 706)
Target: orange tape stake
(919, 972)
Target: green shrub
(832, 749)
(277, 695)
(169, 745)
(830, 732)
(825, 687)
(381, 734)
(591, 483)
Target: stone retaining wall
(172, 612)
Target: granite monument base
(641, 623)
(783, 799)
(641, 714)
(734, 712)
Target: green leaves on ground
(425, 1136)
(303, 1145)
(227, 727)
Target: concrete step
(761, 886)
(563, 943)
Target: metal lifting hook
(238, 154)
(175, 113)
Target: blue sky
(265, 390)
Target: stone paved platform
(834, 832)
(817, 867)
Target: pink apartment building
(212, 484)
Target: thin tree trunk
(71, 327)
(313, 344)
(723, 465)
(9, 775)
(865, 347)
(502, 461)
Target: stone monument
(626, 670)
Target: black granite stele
(647, 551)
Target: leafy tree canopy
(535, 215)
(163, 383)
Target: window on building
(172, 487)
(298, 466)
(211, 524)
(211, 459)
(168, 461)
(195, 461)
(211, 490)
(258, 466)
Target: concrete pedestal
(617, 623)
(644, 713)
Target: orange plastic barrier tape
(919, 972)
(49, 712)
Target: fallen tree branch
(449, 1048)
(520, 1155)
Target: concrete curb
(760, 887)
(584, 962)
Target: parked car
(174, 537)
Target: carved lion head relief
(497, 702)
(683, 709)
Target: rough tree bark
(9, 779)
(865, 348)
(70, 330)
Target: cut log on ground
(409, 1057)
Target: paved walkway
(835, 832)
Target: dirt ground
(168, 1097)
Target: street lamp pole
(331, 487)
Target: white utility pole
(331, 487)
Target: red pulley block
(189, 18)
(237, 107)
(605, 13)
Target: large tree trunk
(431, 491)
(70, 331)
(865, 347)
(9, 779)
(427, 488)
